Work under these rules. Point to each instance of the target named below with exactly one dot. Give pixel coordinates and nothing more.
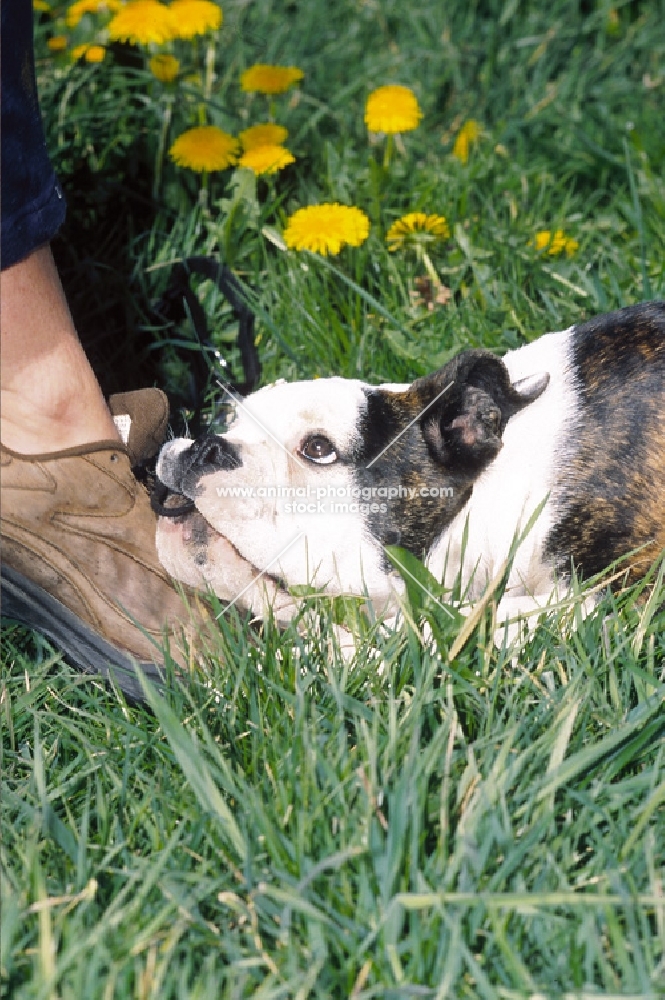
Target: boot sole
(25, 602)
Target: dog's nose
(182, 463)
(211, 454)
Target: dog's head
(313, 479)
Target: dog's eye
(319, 449)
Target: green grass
(285, 824)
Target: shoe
(142, 419)
(79, 562)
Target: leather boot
(79, 562)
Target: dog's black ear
(466, 405)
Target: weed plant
(287, 824)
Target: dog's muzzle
(178, 474)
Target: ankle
(44, 424)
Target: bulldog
(313, 480)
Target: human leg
(79, 561)
(50, 397)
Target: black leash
(203, 362)
(178, 301)
(160, 493)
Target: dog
(313, 480)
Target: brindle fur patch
(414, 523)
(442, 432)
(610, 498)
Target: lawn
(285, 823)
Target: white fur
(319, 549)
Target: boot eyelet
(113, 457)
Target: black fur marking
(465, 426)
(412, 521)
(199, 531)
(438, 435)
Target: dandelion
(263, 135)
(205, 148)
(326, 228)
(392, 109)
(165, 67)
(554, 243)
(270, 79)
(58, 43)
(141, 22)
(91, 53)
(263, 149)
(195, 17)
(42, 6)
(415, 229)
(95, 54)
(467, 135)
(77, 10)
(266, 159)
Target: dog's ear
(466, 405)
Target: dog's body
(314, 479)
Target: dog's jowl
(314, 479)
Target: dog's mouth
(205, 543)
(169, 503)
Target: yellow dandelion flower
(95, 54)
(392, 109)
(165, 67)
(266, 159)
(467, 135)
(195, 17)
(204, 148)
(263, 135)
(42, 6)
(142, 22)
(58, 43)
(416, 227)
(326, 228)
(555, 242)
(91, 53)
(270, 79)
(77, 10)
